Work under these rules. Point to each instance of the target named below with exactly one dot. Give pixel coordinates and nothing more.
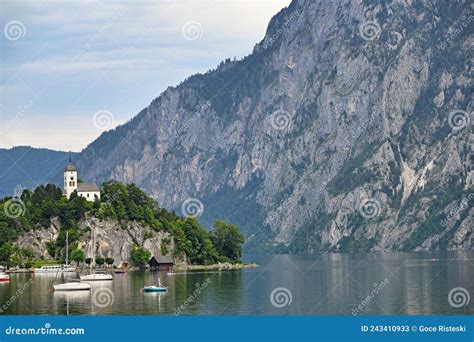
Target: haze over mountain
(24, 167)
(349, 127)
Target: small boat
(55, 269)
(154, 288)
(74, 286)
(120, 271)
(4, 276)
(97, 276)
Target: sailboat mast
(93, 248)
(67, 247)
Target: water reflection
(417, 283)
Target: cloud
(79, 57)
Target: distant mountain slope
(348, 128)
(27, 167)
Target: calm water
(319, 284)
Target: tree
(78, 256)
(228, 240)
(140, 256)
(99, 260)
(6, 251)
(109, 261)
(201, 249)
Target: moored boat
(97, 276)
(55, 269)
(154, 288)
(74, 286)
(4, 276)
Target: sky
(73, 69)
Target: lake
(317, 284)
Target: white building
(89, 191)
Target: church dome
(70, 167)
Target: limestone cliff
(112, 239)
(349, 127)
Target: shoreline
(224, 266)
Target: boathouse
(162, 263)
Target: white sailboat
(71, 286)
(98, 275)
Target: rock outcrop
(112, 239)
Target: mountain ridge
(348, 128)
(264, 141)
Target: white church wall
(89, 195)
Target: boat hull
(155, 289)
(72, 287)
(96, 277)
(54, 270)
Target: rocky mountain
(25, 167)
(112, 239)
(349, 127)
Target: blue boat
(154, 288)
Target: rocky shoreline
(219, 266)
